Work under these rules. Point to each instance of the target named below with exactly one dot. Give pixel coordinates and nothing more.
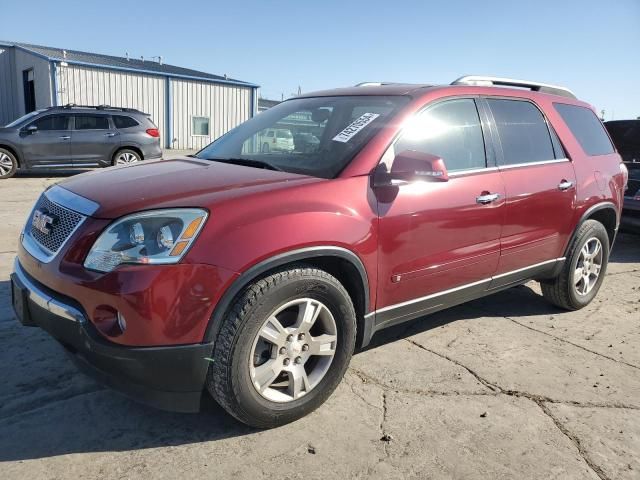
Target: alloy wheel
(293, 350)
(125, 158)
(588, 266)
(6, 164)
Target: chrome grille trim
(45, 247)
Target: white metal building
(191, 108)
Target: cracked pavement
(503, 387)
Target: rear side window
(587, 129)
(52, 122)
(121, 121)
(523, 132)
(451, 130)
(91, 122)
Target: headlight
(153, 237)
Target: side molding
(277, 261)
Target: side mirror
(31, 129)
(412, 166)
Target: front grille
(65, 222)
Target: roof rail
(510, 82)
(100, 107)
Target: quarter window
(587, 129)
(200, 126)
(121, 121)
(91, 122)
(52, 122)
(523, 132)
(450, 130)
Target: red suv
(254, 274)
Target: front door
(94, 140)
(540, 187)
(439, 242)
(49, 144)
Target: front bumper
(169, 378)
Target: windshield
(311, 136)
(23, 119)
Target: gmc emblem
(42, 221)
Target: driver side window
(450, 130)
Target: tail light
(153, 132)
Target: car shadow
(44, 173)
(48, 409)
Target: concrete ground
(504, 387)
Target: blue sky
(591, 46)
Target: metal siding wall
(9, 109)
(41, 77)
(226, 106)
(97, 86)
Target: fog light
(109, 321)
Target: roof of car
(479, 84)
(369, 89)
(120, 63)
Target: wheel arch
(605, 213)
(340, 262)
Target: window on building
(122, 121)
(200, 126)
(91, 122)
(450, 130)
(523, 132)
(587, 129)
(52, 122)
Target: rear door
(94, 140)
(50, 144)
(439, 242)
(540, 187)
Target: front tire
(583, 270)
(283, 347)
(8, 164)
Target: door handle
(565, 185)
(65, 137)
(110, 134)
(487, 198)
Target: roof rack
(100, 107)
(480, 80)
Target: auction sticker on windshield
(354, 127)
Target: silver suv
(77, 137)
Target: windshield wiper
(248, 162)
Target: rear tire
(126, 157)
(8, 164)
(265, 147)
(235, 379)
(583, 271)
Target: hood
(181, 182)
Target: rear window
(587, 129)
(121, 121)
